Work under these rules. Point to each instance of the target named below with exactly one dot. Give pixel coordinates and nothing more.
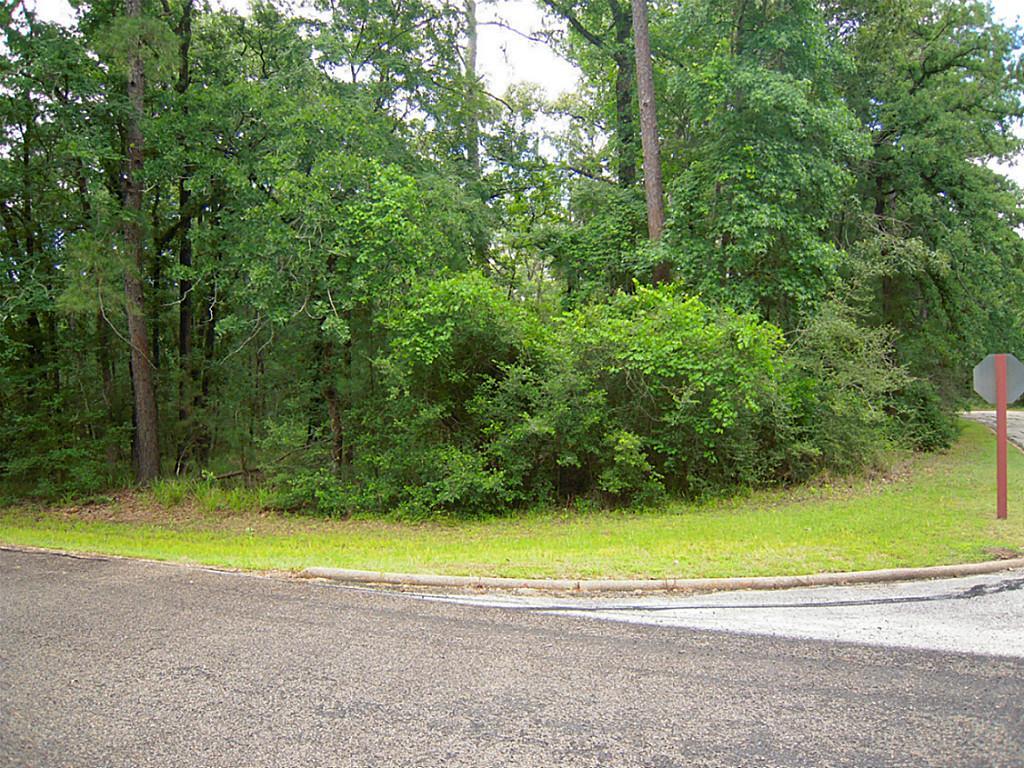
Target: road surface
(121, 663)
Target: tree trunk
(649, 133)
(472, 121)
(186, 365)
(480, 233)
(187, 370)
(147, 445)
(625, 80)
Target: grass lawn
(929, 510)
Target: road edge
(734, 583)
(690, 585)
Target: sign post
(1000, 380)
(1000, 437)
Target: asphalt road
(119, 663)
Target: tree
(649, 133)
(762, 154)
(276, 239)
(147, 444)
(939, 87)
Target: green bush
(318, 491)
(489, 406)
(48, 463)
(920, 421)
(683, 377)
(629, 474)
(419, 449)
(840, 377)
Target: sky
(507, 56)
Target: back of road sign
(985, 379)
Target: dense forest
(307, 246)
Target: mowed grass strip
(936, 509)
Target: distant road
(1014, 425)
(120, 663)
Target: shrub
(488, 406)
(840, 377)
(920, 421)
(683, 377)
(420, 448)
(318, 491)
(629, 474)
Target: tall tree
(147, 444)
(653, 189)
(760, 155)
(472, 89)
(939, 87)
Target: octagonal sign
(985, 378)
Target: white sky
(507, 57)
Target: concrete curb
(661, 585)
(438, 581)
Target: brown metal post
(1001, 436)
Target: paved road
(1014, 423)
(975, 615)
(119, 663)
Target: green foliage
(940, 86)
(683, 377)
(383, 290)
(598, 251)
(629, 473)
(764, 159)
(489, 406)
(935, 509)
(842, 376)
(209, 497)
(315, 491)
(919, 419)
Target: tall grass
(209, 497)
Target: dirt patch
(1003, 553)
(128, 507)
(132, 507)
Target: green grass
(936, 509)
